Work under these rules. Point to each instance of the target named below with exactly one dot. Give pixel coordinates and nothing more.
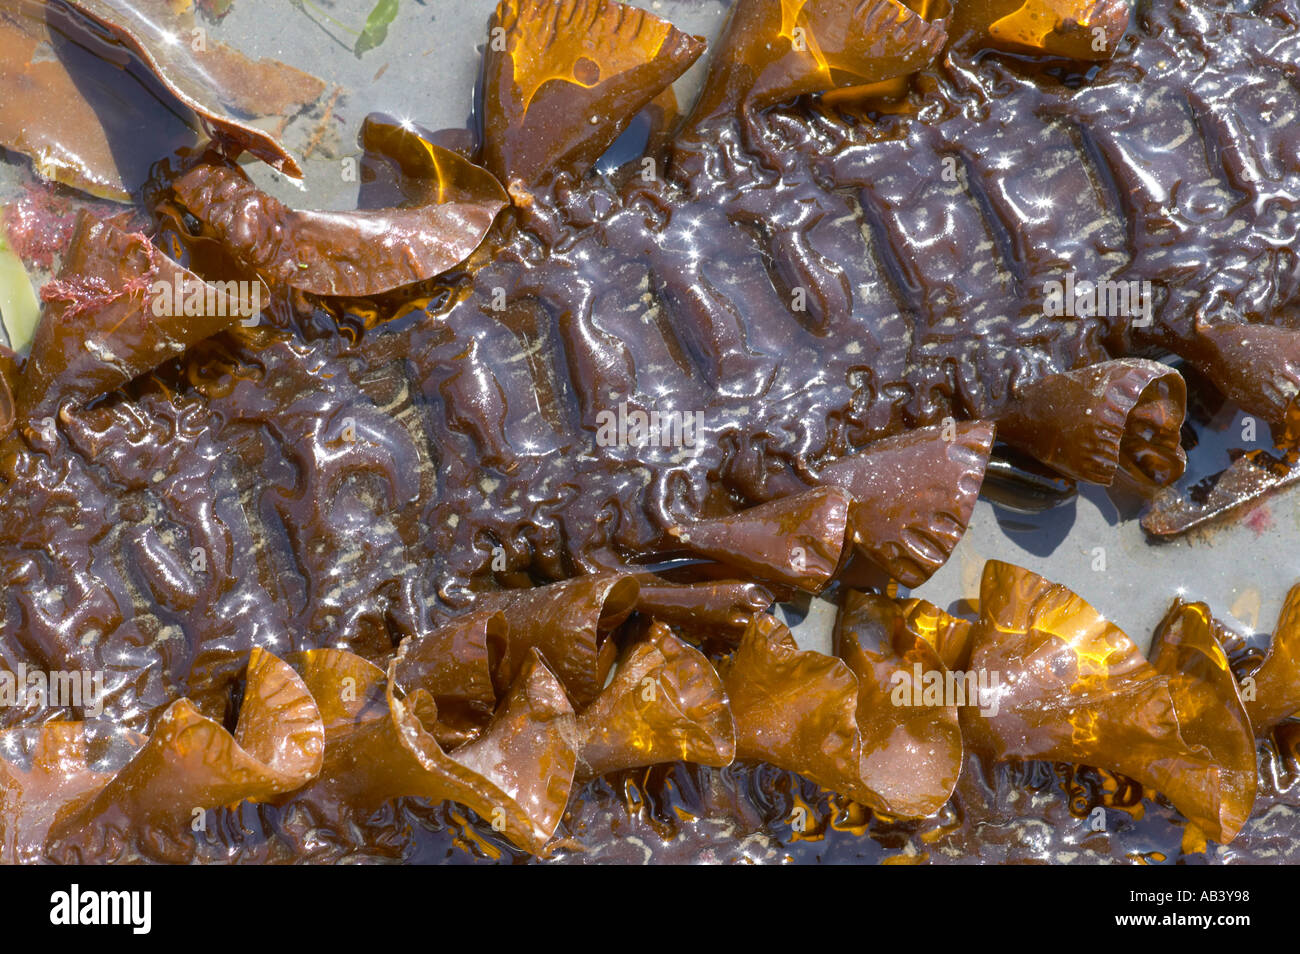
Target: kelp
(569, 623)
(191, 764)
(516, 774)
(1074, 29)
(951, 637)
(913, 495)
(1089, 423)
(1073, 687)
(707, 608)
(1210, 708)
(222, 86)
(831, 719)
(886, 721)
(1277, 680)
(1270, 689)
(912, 749)
(357, 253)
(1241, 485)
(118, 308)
(664, 703)
(860, 419)
(1257, 366)
(796, 540)
(770, 52)
(460, 664)
(548, 62)
(53, 777)
(60, 108)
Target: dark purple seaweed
(784, 342)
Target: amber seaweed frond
(563, 79)
(1074, 687)
(358, 253)
(664, 703)
(48, 105)
(1132, 418)
(118, 308)
(1075, 29)
(190, 762)
(796, 540)
(1274, 687)
(913, 495)
(775, 50)
(832, 719)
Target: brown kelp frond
(1074, 29)
(1074, 687)
(118, 308)
(562, 80)
(191, 764)
(664, 703)
(833, 721)
(357, 253)
(48, 108)
(796, 540)
(913, 495)
(1087, 423)
(774, 50)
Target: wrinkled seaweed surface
(469, 429)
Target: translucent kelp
(363, 252)
(1073, 687)
(403, 477)
(79, 123)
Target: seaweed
(510, 472)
